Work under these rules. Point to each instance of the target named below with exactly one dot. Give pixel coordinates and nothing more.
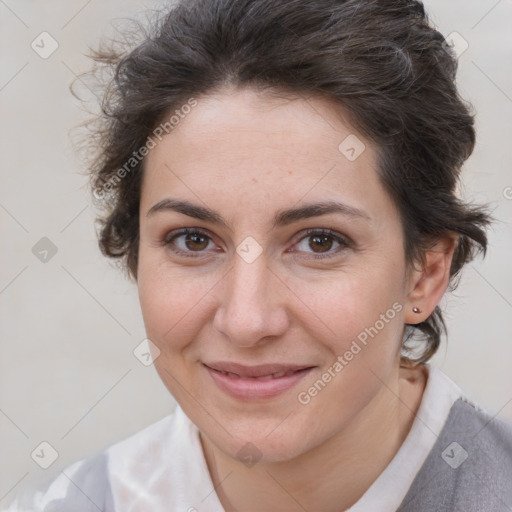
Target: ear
(428, 284)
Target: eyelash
(343, 241)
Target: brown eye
(196, 241)
(320, 243)
(188, 241)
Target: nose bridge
(250, 307)
(249, 294)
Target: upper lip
(255, 371)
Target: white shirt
(162, 468)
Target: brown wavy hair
(380, 59)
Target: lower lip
(247, 389)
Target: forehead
(243, 118)
(263, 152)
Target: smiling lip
(253, 382)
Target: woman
(280, 180)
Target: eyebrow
(282, 218)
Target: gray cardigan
(469, 469)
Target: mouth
(256, 382)
(270, 376)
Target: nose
(251, 304)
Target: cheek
(344, 306)
(364, 316)
(174, 305)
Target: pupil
(322, 242)
(196, 242)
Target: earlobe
(428, 284)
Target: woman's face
(265, 277)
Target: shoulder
(87, 483)
(82, 485)
(470, 466)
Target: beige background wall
(69, 325)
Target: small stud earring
(416, 309)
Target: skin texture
(248, 155)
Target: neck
(334, 475)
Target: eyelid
(171, 235)
(324, 231)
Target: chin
(263, 442)
(262, 451)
